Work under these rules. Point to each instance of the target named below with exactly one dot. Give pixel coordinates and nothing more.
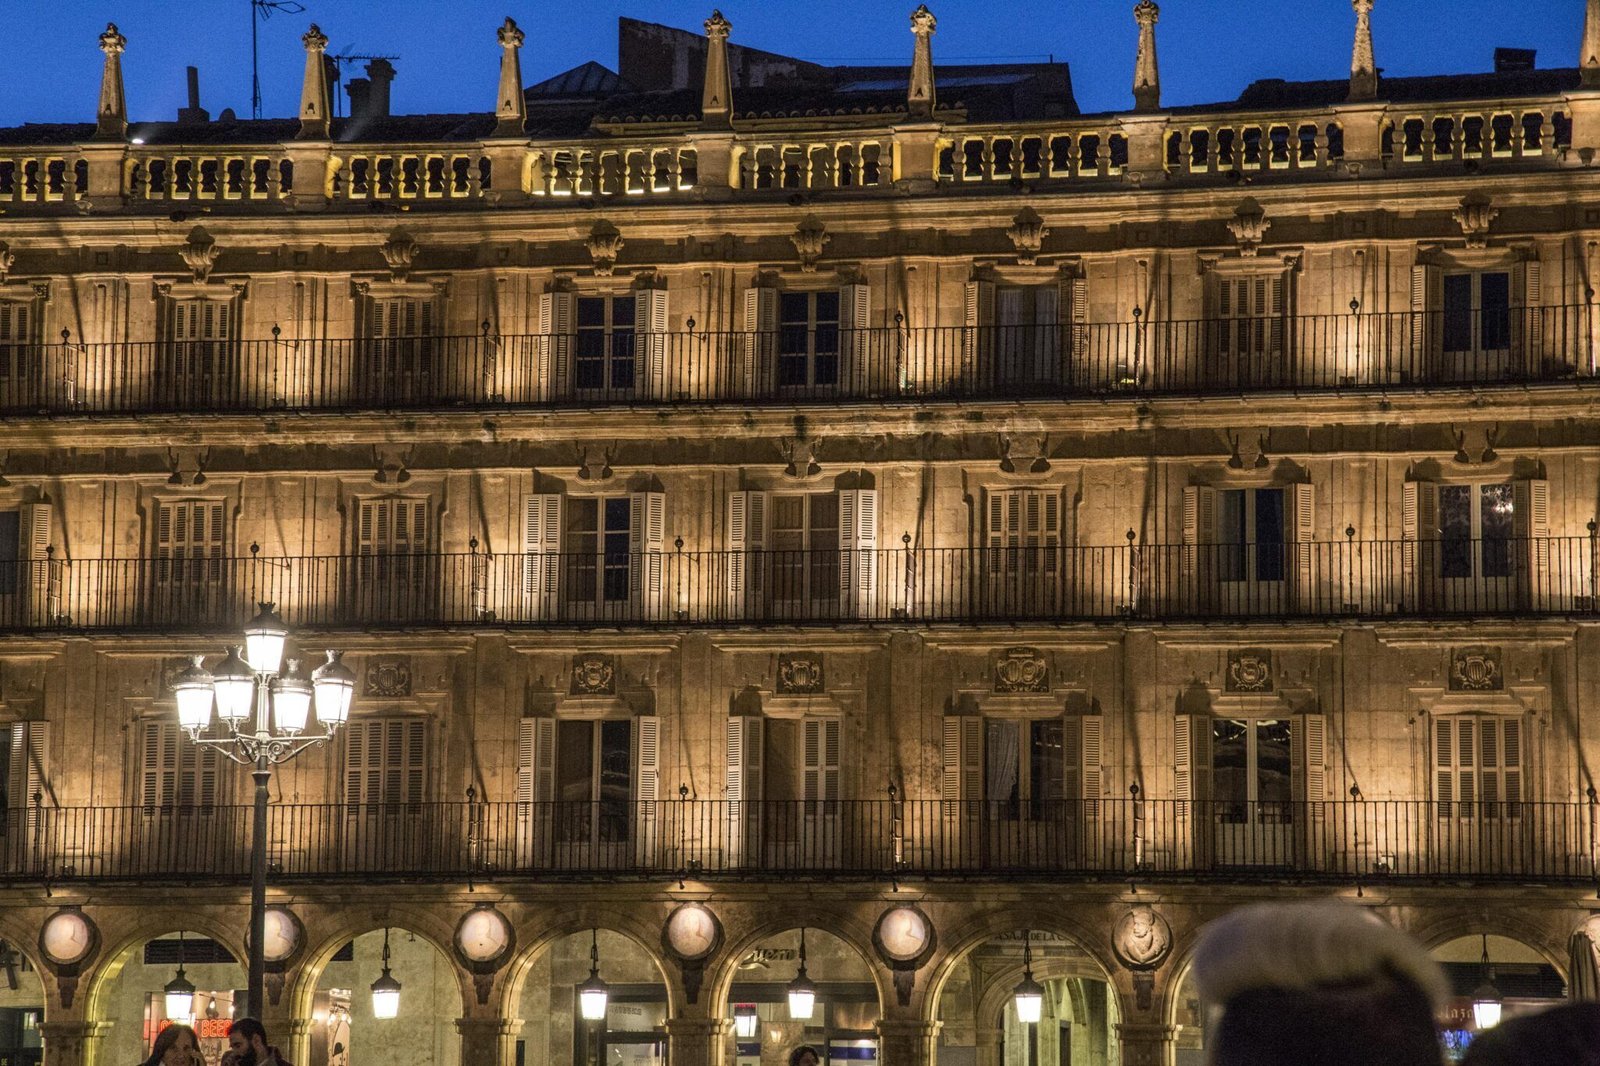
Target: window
(24, 747)
(190, 543)
(401, 348)
(1251, 534)
(385, 764)
(199, 351)
(594, 780)
(1478, 766)
(1033, 769)
(175, 774)
(1477, 312)
(1028, 328)
(25, 568)
(604, 359)
(1251, 771)
(595, 541)
(1476, 528)
(808, 339)
(393, 567)
(18, 335)
(1022, 538)
(803, 558)
(10, 552)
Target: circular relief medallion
(484, 935)
(283, 935)
(904, 935)
(692, 932)
(68, 937)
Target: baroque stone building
(787, 518)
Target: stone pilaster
(510, 109)
(1147, 1043)
(1146, 71)
(1363, 66)
(907, 1042)
(296, 1038)
(314, 120)
(1589, 56)
(920, 94)
(72, 1043)
(488, 1041)
(111, 118)
(696, 1041)
(990, 1045)
(716, 98)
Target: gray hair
(1306, 946)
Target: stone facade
(1009, 514)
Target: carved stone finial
(314, 87)
(1475, 215)
(1589, 58)
(1027, 234)
(1249, 225)
(111, 118)
(511, 110)
(7, 260)
(920, 94)
(810, 236)
(199, 253)
(716, 97)
(400, 252)
(1146, 72)
(1363, 67)
(605, 245)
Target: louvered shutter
(646, 787)
(1191, 764)
(527, 741)
(1075, 291)
(1276, 312)
(759, 340)
(650, 340)
(1199, 540)
(747, 527)
(1427, 319)
(541, 558)
(1511, 768)
(1303, 530)
(647, 532)
(1419, 530)
(858, 555)
(557, 325)
(1046, 333)
(1444, 767)
(743, 750)
(821, 778)
(27, 784)
(1308, 754)
(43, 575)
(1092, 761)
(158, 765)
(544, 760)
(1530, 517)
(962, 784)
(978, 336)
(16, 338)
(1527, 319)
(855, 309)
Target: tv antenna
(260, 11)
(344, 59)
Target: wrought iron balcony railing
(1434, 578)
(897, 364)
(1415, 841)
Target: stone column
(510, 109)
(716, 96)
(990, 1043)
(1147, 1043)
(907, 1042)
(111, 118)
(72, 1043)
(1589, 57)
(314, 90)
(1146, 71)
(488, 1041)
(920, 95)
(696, 1041)
(1363, 67)
(296, 1038)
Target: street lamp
(802, 993)
(265, 711)
(594, 993)
(745, 1020)
(179, 991)
(1486, 1001)
(1029, 994)
(386, 990)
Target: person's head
(175, 1046)
(804, 1055)
(247, 1039)
(1317, 984)
(1569, 1035)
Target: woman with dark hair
(804, 1055)
(176, 1045)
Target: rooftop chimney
(194, 112)
(381, 73)
(1507, 60)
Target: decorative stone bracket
(1249, 226)
(1027, 234)
(810, 237)
(1475, 215)
(199, 253)
(400, 252)
(604, 244)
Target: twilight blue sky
(50, 65)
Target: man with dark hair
(247, 1046)
(1568, 1035)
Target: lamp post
(265, 711)
(1486, 1001)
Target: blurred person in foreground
(1317, 984)
(1561, 1036)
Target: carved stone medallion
(1476, 669)
(1249, 671)
(388, 677)
(594, 675)
(1142, 939)
(1021, 670)
(800, 675)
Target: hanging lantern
(335, 684)
(291, 700)
(802, 993)
(1486, 1001)
(593, 993)
(745, 1020)
(1029, 994)
(385, 990)
(264, 637)
(235, 687)
(179, 991)
(192, 688)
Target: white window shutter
(541, 546)
(527, 741)
(28, 783)
(963, 768)
(650, 340)
(1076, 294)
(1511, 766)
(1531, 316)
(1302, 502)
(1531, 523)
(978, 336)
(1308, 744)
(647, 524)
(1093, 760)
(43, 575)
(647, 761)
(544, 760)
(1182, 764)
(743, 753)
(1199, 533)
(1427, 317)
(821, 750)
(557, 324)
(747, 520)
(760, 321)
(855, 348)
(1444, 766)
(858, 556)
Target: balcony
(898, 364)
(1345, 841)
(1314, 581)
